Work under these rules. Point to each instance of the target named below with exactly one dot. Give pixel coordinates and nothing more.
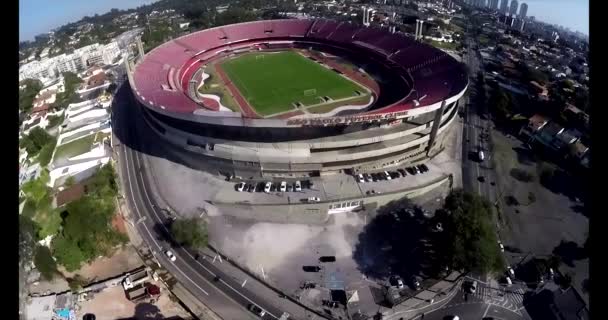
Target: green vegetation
(87, 231)
(35, 141)
(75, 147)
(43, 260)
(71, 83)
(44, 157)
(27, 239)
(55, 120)
(190, 232)
(273, 82)
(470, 236)
(27, 94)
(39, 208)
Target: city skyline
(572, 15)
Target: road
(476, 136)
(223, 294)
(502, 303)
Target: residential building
(504, 5)
(568, 305)
(535, 124)
(513, 8)
(523, 10)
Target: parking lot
(333, 187)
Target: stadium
(305, 97)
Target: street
(202, 278)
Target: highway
(223, 294)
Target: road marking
(146, 227)
(486, 313)
(198, 262)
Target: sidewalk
(413, 308)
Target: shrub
(44, 262)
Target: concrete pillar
(420, 31)
(126, 62)
(435, 128)
(364, 14)
(140, 47)
(416, 32)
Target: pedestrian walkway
(507, 298)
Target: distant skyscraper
(504, 4)
(494, 5)
(513, 8)
(523, 10)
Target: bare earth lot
(539, 227)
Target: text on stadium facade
(344, 120)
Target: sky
(573, 14)
(40, 16)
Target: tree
(28, 93)
(43, 260)
(35, 140)
(190, 232)
(45, 154)
(67, 253)
(469, 235)
(27, 239)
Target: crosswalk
(511, 299)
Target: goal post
(310, 92)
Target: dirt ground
(125, 259)
(538, 227)
(112, 304)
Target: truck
(136, 293)
(135, 278)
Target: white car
(510, 270)
(267, 187)
(283, 186)
(387, 175)
(170, 255)
(240, 187)
(298, 186)
(314, 199)
(361, 179)
(502, 248)
(400, 284)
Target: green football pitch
(272, 82)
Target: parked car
(415, 283)
(387, 175)
(298, 186)
(420, 168)
(256, 310)
(360, 178)
(368, 178)
(410, 170)
(314, 199)
(403, 173)
(424, 167)
(397, 282)
(170, 255)
(289, 187)
(251, 187)
(267, 187)
(395, 174)
(510, 271)
(417, 170)
(283, 186)
(473, 287)
(502, 248)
